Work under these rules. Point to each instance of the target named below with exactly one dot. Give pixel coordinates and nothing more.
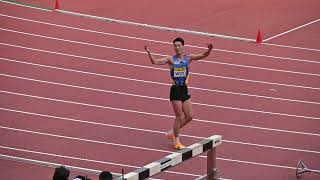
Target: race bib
(180, 72)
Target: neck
(179, 56)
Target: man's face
(178, 47)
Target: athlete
(179, 65)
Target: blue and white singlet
(180, 71)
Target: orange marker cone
(57, 6)
(259, 38)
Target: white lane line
(159, 98)
(197, 120)
(68, 157)
(157, 41)
(135, 147)
(26, 5)
(293, 47)
(48, 164)
(162, 69)
(261, 68)
(158, 83)
(142, 52)
(157, 132)
(261, 164)
(286, 32)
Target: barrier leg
(302, 168)
(211, 164)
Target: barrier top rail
(177, 157)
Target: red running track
(242, 18)
(77, 123)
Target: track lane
(146, 89)
(270, 170)
(136, 58)
(9, 170)
(126, 69)
(231, 148)
(116, 41)
(263, 88)
(80, 149)
(161, 124)
(245, 118)
(149, 34)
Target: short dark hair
(61, 173)
(178, 39)
(105, 175)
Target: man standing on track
(179, 96)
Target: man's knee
(180, 118)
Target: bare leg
(187, 109)
(179, 113)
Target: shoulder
(170, 59)
(191, 57)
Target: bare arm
(159, 61)
(202, 55)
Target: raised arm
(159, 61)
(202, 55)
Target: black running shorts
(179, 93)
